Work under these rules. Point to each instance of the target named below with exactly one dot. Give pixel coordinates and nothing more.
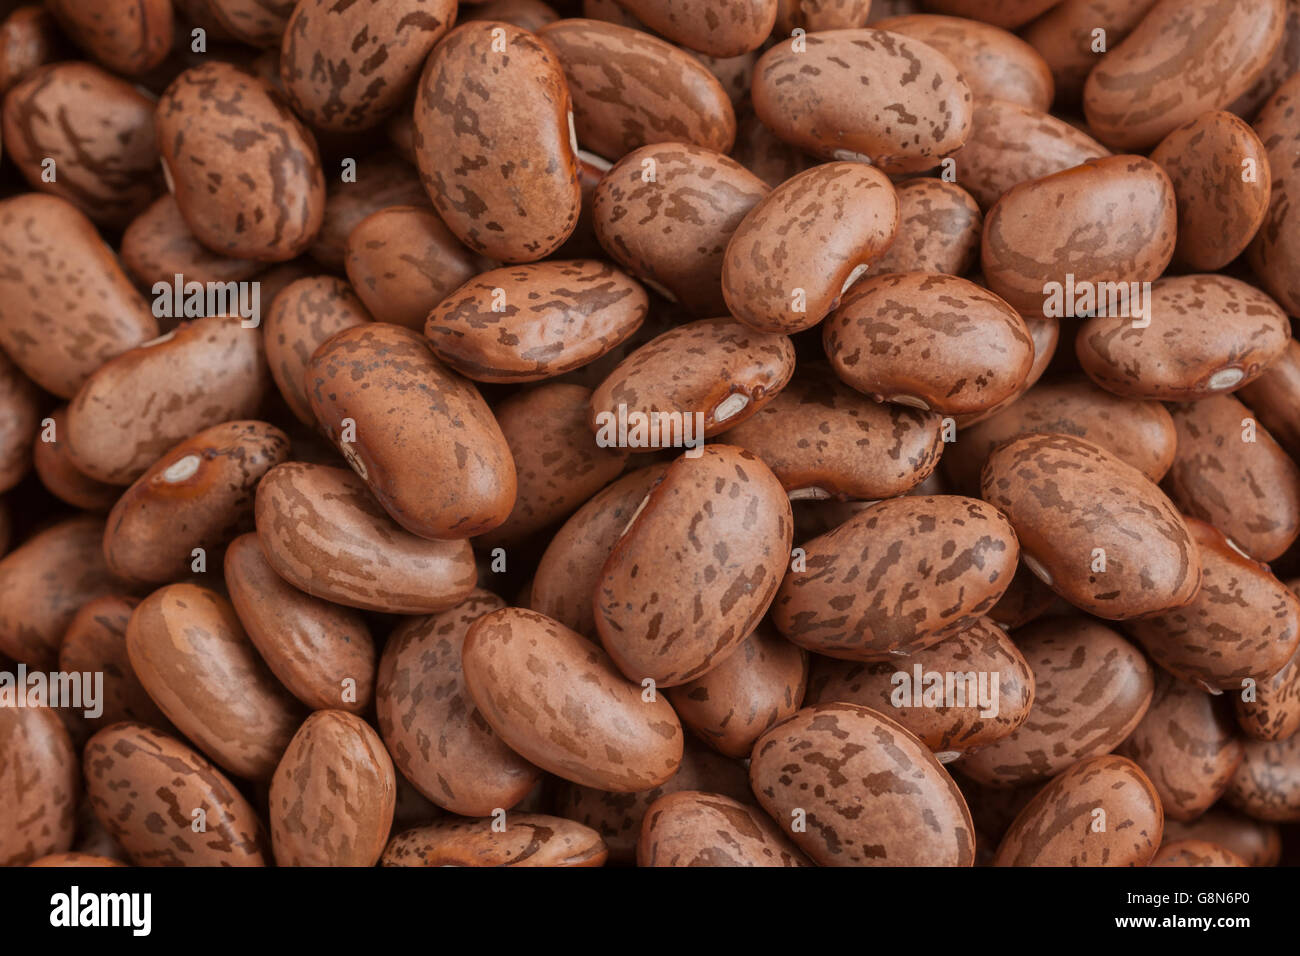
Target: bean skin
(1275, 251)
(529, 839)
(158, 245)
(95, 641)
(39, 784)
(1267, 784)
(1195, 853)
(129, 37)
(689, 828)
(939, 226)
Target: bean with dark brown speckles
(529, 839)
(690, 828)
(39, 785)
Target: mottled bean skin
(198, 495)
(1057, 827)
(1107, 220)
(527, 14)
(559, 464)
(438, 738)
(1207, 334)
(29, 38)
(60, 476)
(755, 688)
(321, 652)
(939, 227)
(690, 828)
(39, 785)
(1267, 784)
(530, 322)
(1185, 57)
(1067, 497)
(145, 787)
(671, 229)
(1139, 433)
(44, 581)
(558, 701)
(897, 577)
(794, 254)
(1064, 37)
(931, 341)
(1092, 688)
(305, 314)
(770, 159)
(425, 442)
(530, 839)
(815, 16)
(1248, 489)
(324, 533)
(20, 422)
(1186, 745)
(382, 180)
(1275, 395)
(716, 528)
(570, 568)
(237, 713)
(997, 64)
(145, 401)
(244, 170)
(130, 36)
(95, 641)
(716, 29)
(864, 93)
(948, 731)
(492, 140)
(1010, 144)
(402, 261)
(1256, 842)
(1008, 14)
(1273, 711)
(346, 66)
(333, 794)
(1219, 211)
(873, 794)
(158, 245)
(719, 368)
(1275, 253)
(1284, 63)
(1244, 623)
(823, 439)
(1195, 853)
(66, 306)
(96, 128)
(631, 89)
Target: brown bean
(931, 341)
(333, 794)
(1267, 784)
(690, 828)
(1243, 624)
(848, 94)
(1078, 509)
(325, 534)
(1275, 396)
(822, 439)
(238, 714)
(631, 89)
(1186, 745)
(1222, 179)
(44, 581)
(901, 688)
(797, 251)
(1275, 252)
(1259, 844)
(701, 25)
(92, 131)
(244, 170)
(402, 261)
(95, 642)
(1101, 812)
(347, 66)
(1271, 711)
(440, 464)
(129, 37)
(899, 576)
(29, 38)
(715, 368)
(716, 527)
(158, 245)
(666, 213)
(75, 859)
(20, 422)
(570, 568)
(771, 159)
(382, 180)
(321, 652)
(195, 498)
(1204, 334)
(939, 226)
(1185, 57)
(257, 22)
(1195, 853)
(526, 14)
(559, 702)
(39, 785)
(438, 738)
(810, 769)
(529, 839)
(60, 476)
(150, 791)
(136, 407)
(814, 16)
(1008, 14)
(53, 263)
(1065, 38)
(301, 318)
(493, 145)
(1230, 472)
(530, 322)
